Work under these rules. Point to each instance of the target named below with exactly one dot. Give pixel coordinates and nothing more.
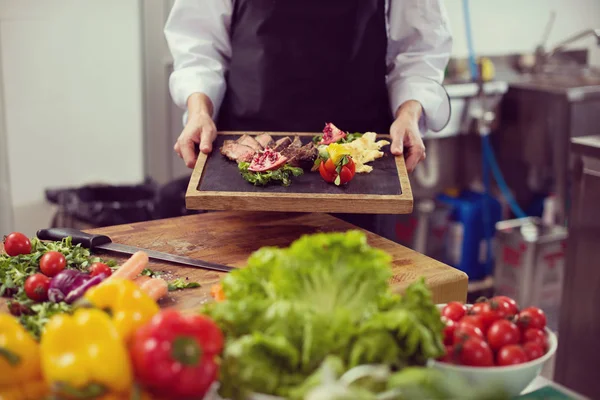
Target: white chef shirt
(419, 46)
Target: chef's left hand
(406, 137)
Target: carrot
(132, 267)
(216, 291)
(140, 280)
(156, 288)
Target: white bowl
(512, 378)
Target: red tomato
(454, 311)
(511, 355)
(449, 330)
(347, 172)
(537, 336)
(502, 333)
(326, 175)
(16, 244)
(330, 167)
(532, 317)
(100, 268)
(533, 350)
(463, 332)
(474, 352)
(489, 312)
(474, 320)
(52, 263)
(505, 302)
(448, 356)
(36, 287)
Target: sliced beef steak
(265, 140)
(282, 143)
(303, 157)
(249, 141)
(237, 152)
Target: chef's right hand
(200, 129)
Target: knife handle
(87, 240)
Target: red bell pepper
(175, 355)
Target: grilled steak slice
(265, 140)
(297, 142)
(237, 152)
(249, 141)
(304, 157)
(282, 143)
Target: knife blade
(104, 242)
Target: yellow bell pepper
(84, 354)
(20, 372)
(129, 306)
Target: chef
(293, 65)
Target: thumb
(397, 147)
(206, 139)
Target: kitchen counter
(230, 237)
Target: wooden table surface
(230, 237)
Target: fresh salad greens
(350, 137)
(325, 296)
(180, 284)
(282, 175)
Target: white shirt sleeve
(419, 47)
(197, 33)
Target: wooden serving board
(216, 184)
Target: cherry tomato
(474, 352)
(330, 166)
(52, 263)
(474, 320)
(16, 244)
(36, 287)
(534, 335)
(449, 330)
(326, 175)
(531, 317)
(463, 332)
(533, 350)
(347, 172)
(100, 268)
(454, 311)
(505, 302)
(448, 356)
(489, 312)
(502, 333)
(511, 354)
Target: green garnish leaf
(180, 284)
(282, 175)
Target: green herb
(326, 295)
(41, 314)
(282, 175)
(151, 273)
(180, 284)
(351, 137)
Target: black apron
(298, 64)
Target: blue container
(466, 245)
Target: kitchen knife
(103, 242)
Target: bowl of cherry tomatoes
(494, 342)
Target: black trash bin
(95, 206)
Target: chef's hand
(199, 129)
(406, 137)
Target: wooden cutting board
(216, 184)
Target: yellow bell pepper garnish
(83, 354)
(19, 353)
(336, 152)
(128, 305)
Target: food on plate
(237, 152)
(16, 244)
(331, 134)
(282, 144)
(84, 353)
(283, 175)
(249, 141)
(326, 295)
(129, 306)
(267, 160)
(176, 355)
(336, 166)
(512, 336)
(265, 140)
